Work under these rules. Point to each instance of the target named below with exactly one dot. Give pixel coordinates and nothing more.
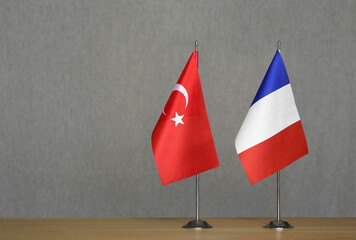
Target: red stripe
(275, 153)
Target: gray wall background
(82, 84)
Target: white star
(178, 119)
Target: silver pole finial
(196, 45)
(279, 45)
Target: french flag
(271, 136)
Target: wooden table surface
(170, 228)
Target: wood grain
(170, 228)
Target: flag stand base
(278, 224)
(200, 224)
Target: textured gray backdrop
(82, 84)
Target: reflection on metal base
(278, 224)
(197, 224)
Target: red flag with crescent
(182, 142)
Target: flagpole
(278, 196)
(278, 173)
(197, 197)
(197, 176)
(197, 223)
(278, 224)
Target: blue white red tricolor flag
(271, 136)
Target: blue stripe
(275, 78)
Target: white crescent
(182, 90)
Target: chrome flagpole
(278, 224)
(197, 197)
(197, 223)
(278, 196)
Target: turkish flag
(182, 142)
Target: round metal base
(197, 224)
(278, 224)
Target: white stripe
(267, 117)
